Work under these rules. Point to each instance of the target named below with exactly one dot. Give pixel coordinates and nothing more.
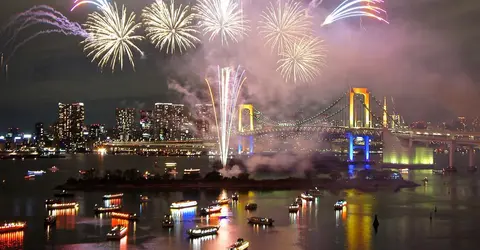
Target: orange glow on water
(12, 240)
(359, 224)
(66, 218)
(123, 243)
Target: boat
(12, 227)
(307, 196)
(117, 232)
(315, 192)
(211, 210)
(241, 244)
(260, 221)
(299, 201)
(251, 206)
(437, 171)
(53, 169)
(112, 196)
(107, 209)
(125, 216)
(50, 220)
(35, 172)
(144, 198)
(340, 204)
(293, 208)
(183, 204)
(223, 201)
(55, 204)
(64, 194)
(167, 221)
(235, 197)
(29, 177)
(202, 231)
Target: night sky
(427, 57)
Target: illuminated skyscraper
(125, 128)
(71, 118)
(163, 122)
(146, 124)
(97, 132)
(39, 134)
(204, 121)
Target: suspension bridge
(357, 115)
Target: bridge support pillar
(451, 154)
(471, 157)
(239, 151)
(251, 144)
(243, 147)
(352, 147)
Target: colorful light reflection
(66, 218)
(12, 240)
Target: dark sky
(427, 57)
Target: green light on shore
(417, 155)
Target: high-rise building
(97, 132)
(146, 124)
(204, 121)
(125, 123)
(181, 125)
(39, 134)
(162, 126)
(71, 119)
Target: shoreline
(280, 184)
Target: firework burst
(284, 23)
(111, 36)
(302, 60)
(349, 8)
(169, 27)
(222, 18)
(99, 3)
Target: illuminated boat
(50, 220)
(251, 206)
(64, 194)
(235, 197)
(53, 169)
(117, 232)
(35, 172)
(183, 204)
(202, 231)
(241, 244)
(211, 210)
(340, 204)
(223, 201)
(107, 209)
(29, 177)
(299, 201)
(12, 227)
(167, 221)
(125, 216)
(315, 192)
(260, 221)
(307, 196)
(144, 198)
(52, 204)
(113, 196)
(293, 208)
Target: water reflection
(12, 240)
(66, 218)
(197, 242)
(359, 225)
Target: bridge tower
(352, 114)
(241, 139)
(359, 141)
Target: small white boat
(202, 231)
(260, 221)
(293, 208)
(241, 244)
(117, 232)
(340, 204)
(307, 196)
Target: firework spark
(99, 3)
(354, 9)
(222, 18)
(111, 36)
(41, 14)
(302, 60)
(169, 27)
(230, 83)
